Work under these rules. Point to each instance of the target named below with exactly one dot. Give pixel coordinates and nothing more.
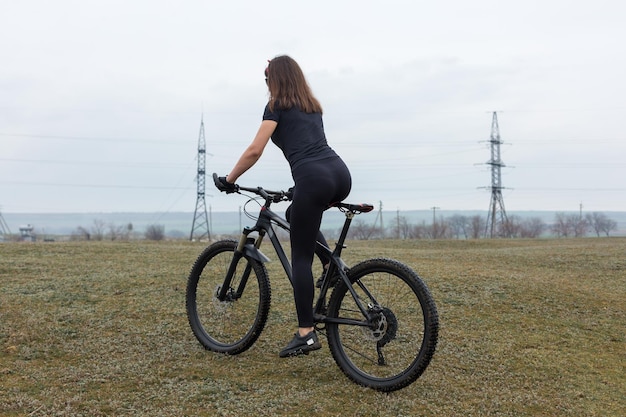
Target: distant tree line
(573, 225)
(100, 230)
(474, 227)
(453, 227)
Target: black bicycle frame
(249, 247)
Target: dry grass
(528, 328)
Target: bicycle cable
(249, 214)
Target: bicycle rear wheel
(399, 343)
(233, 325)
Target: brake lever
(289, 194)
(280, 197)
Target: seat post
(344, 232)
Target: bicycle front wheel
(231, 325)
(400, 340)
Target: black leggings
(317, 185)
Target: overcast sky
(101, 101)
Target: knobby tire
(233, 325)
(405, 332)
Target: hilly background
(178, 224)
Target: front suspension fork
(225, 293)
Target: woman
(293, 120)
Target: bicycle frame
(384, 342)
(249, 247)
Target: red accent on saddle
(360, 208)
(365, 208)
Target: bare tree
(609, 226)
(439, 230)
(155, 232)
(476, 226)
(419, 231)
(129, 231)
(402, 228)
(81, 234)
(566, 225)
(600, 223)
(510, 227)
(459, 226)
(362, 231)
(97, 230)
(532, 227)
(561, 226)
(580, 226)
(120, 232)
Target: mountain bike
(379, 318)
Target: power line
(96, 163)
(46, 184)
(94, 139)
(334, 142)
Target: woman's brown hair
(288, 87)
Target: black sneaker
(301, 345)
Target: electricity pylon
(496, 217)
(200, 225)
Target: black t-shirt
(299, 135)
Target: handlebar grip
(223, 185)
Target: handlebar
(278, 196)
(268, 195)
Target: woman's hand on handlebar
(225, 186)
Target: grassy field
(528, 328)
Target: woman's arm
(254, 151)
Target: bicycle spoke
(360, 354)
(395, 349)
(230, 324)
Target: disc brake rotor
(384, 327)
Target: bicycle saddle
(355, 208)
